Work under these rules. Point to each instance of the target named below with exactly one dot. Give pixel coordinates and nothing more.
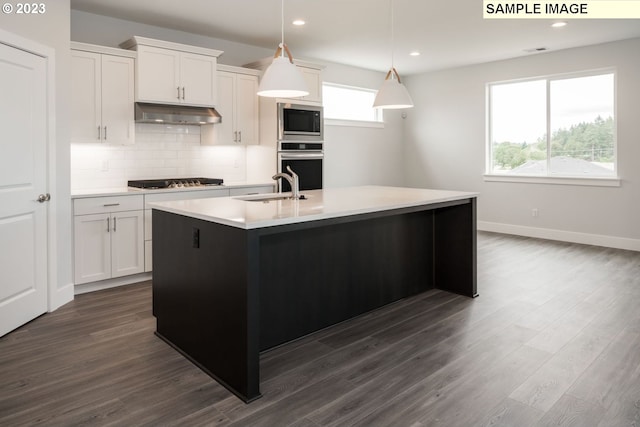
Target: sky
(518, 110)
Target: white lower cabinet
(108, 238)
(113, 234)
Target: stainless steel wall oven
(300, 141)
(305, 159)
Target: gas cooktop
(174, 182)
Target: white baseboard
(561, 235)
(111, 283)
(60, 296)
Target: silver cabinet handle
(105, 133)
(108, 229)
(99, 132)
(240, 136)
(44, 198)
(115, 224)
(178, 88)
(183, 93)
(111, 204)
(235, 136)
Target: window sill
(353, 123)
(560, 180)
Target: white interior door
(23, 177)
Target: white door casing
(23, 177)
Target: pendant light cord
(282, 26)
(392, 35)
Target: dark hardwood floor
(553, 340)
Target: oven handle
(309, 156)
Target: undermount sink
(265, 198)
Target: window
(352, 104)
(562, 126)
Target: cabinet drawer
(93, 205)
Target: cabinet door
(118, 125)
(197, 79)
(127, 243)
(85, 97)
(247, 108)
(158, 75)
(314, 83)
(225, 131)
(92, 248)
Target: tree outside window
(557, 126)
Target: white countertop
(320, 204)
(126, 191)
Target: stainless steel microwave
(297, 122)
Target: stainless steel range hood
(176, 114)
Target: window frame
(349, 122)
(607, 181)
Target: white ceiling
(448, 33)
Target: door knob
(44, 198)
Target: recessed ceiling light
(414, 53)
(299, 22)
(559, 24)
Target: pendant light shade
(282, 79)
(392, 94)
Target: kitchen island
(240, 275)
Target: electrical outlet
(105, 166)
(534, 212)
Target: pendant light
(392, 93)
(282, 79)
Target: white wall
(361, 155)
(353, 156)
(52, 29)
(107, 31)
(445, 148)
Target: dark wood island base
(223, 294)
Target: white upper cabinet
(172, 73)
(102, 95)
(238, 106)
(247, 108)
(314, 84)
(161, 71)
(198, 79)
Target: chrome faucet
(293, 181)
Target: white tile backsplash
(160, 151)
